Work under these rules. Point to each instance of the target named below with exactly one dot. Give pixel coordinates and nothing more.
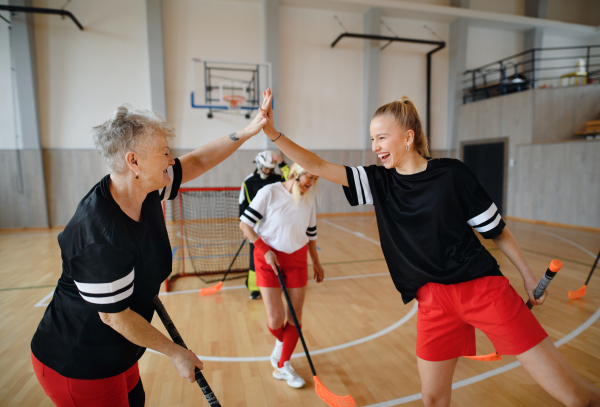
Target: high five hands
(267, 111)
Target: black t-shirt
(110, 263)
(425, 222)
(253, 183)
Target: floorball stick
(170, 327)
(555, 266)
(328, 397)
(581, 292)
(217, 287)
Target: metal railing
(533, 69)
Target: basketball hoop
(234, 101)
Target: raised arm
(209, 155)
(306, 159)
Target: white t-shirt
(280, 224)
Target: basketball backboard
(228, 87)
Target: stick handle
(289, 303)
(174, 334)
(233, 261)
(592, 270)
(555, 266)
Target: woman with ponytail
(426, 211)
(281, 222)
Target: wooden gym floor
(361, 335)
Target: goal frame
(178, 201)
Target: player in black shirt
(116, 253)
(426, 210)
(265, 161)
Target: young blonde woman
(426, 211)
(287, 228)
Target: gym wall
(84, 75)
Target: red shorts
(293, 268)
(65, 392)
(449, 314)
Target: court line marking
(359, 234)
(384, 331)
(42, 302)
(29, 235)
(493, 372)
(593, 318)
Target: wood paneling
(560, 112)
(71, 173)
(22, 189)
(559, 182)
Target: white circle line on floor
(390, 328)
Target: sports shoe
(288, 374)
(276, 354)
(255, 295)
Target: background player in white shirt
(286, 231)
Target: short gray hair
(124, 132)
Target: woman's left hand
(319, 273)
(255, 126)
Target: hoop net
(235, 101)
(203, 227)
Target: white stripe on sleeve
(108, 300)
(167, 189)
(365, 183)
(251, 215)
(106, 288)
(483, 217)
(359, 194)
(489, 226)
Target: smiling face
(154, 162)
(306, 181)
(389, 141)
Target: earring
(136, 176)
(407, 147)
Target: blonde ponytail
(406, 115)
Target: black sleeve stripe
(178, 175)
(311, 234)
(175, 173)
(109, 300)
(350, 190)
(109, 288)
(126, 288)
(255, 213)
(495, 231)
(311, 229)
(484, 216)
(487, 222)
(490, 225)
(249, 218)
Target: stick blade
(573, 295)
(211, 290)
(492, 357)
(332, 399)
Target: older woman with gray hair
(116, 253)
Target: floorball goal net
(203, 226)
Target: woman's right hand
(185, 361)
(271, 259)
